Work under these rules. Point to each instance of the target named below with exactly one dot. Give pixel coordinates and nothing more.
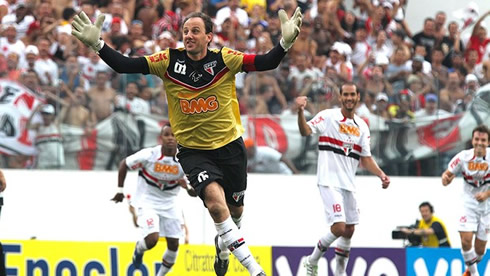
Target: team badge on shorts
(238, 195)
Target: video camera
(413, 240)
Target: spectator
(381, 106)
(9, 42)
(451, 43)
(48, 139)
(300, 72)
(439, 71)
(75, 112)
(45, 67)
(131, 103)
(431, 229)
(14, 72)
(450, 94)
(115, 16)
(426, 37)
(21, 18)
(264, 159)
(478, 40)
(304, 44)
(430, 112)
(31, 53)
(470, 88)
(253, 83)
(233, 11)
(102, 98)
(439, 22)
(70, 74)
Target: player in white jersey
(474, 165)
(343, 143)
(160, 178)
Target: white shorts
(473, 219)
(339, 205)
(150, 222)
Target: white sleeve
(456, 164)
(319, 123)
(366, 141)
(138, 159)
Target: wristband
(120, 190)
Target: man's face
(43, 47)
(440, 19)
(426, 213)
(101, 79)
(349, 97)
(482, 33)
(194, 35)
(131, 90)
(453, 79)
(10, 33)
(453, 29)
(429, 27)
(480, 142)
(168, 138)
(430, 106)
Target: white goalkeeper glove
(290, 27)
(88, 33)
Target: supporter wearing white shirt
(131, 103)
(9, 43)
(92, 65)
(19, 17)
(232, 10)
(300, 72)
(45, 67)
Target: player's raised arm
(89, 34)
(290, 28)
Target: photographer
(431, 229)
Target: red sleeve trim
(249, 62)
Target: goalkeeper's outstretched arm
(89, 34)
(123, 64)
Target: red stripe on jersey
(149, 176)
(161, 157)
(249, 62)
(215, 79)
(337, 142)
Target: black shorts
(226, 165)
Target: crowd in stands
(402, 74)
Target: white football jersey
(157, 186)
(476, 174)
(341, 143)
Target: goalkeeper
(204, 114)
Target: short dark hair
(481, 128)
(208, 22)
(427, 204)
(349, 84)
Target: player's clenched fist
(301, 102)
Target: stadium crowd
(403, 74)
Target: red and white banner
(16, 105)
(122, 134)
